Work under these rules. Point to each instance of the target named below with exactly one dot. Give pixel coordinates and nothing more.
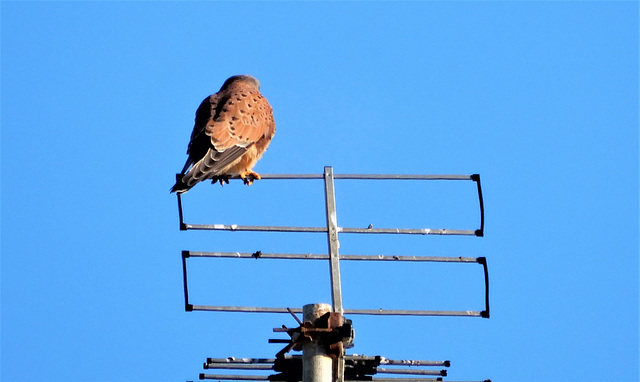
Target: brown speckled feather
(233, 128)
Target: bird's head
(241, 78)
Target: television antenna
(324, 332)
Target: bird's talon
(222, 179)
(249, 176)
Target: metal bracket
(333, 331)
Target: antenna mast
(324, 333)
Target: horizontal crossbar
(365, 176)
(382, 360)
(254, 228)
(226, 377)
(374, 312)
(309, 256)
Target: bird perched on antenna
(233, 128)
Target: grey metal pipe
(237, 366)
(317, 366)
(383, 370)
(378, 312)
(229, 377)
(310, 256)
(365, 176)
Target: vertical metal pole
(334, 259)
(334, 244)
(317, 366)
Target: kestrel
(233, 128)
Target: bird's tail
(180, 186)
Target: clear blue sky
(540, 98)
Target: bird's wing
(241, 120)
(200, 143)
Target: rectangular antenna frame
(380, 312)
(407, 231)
